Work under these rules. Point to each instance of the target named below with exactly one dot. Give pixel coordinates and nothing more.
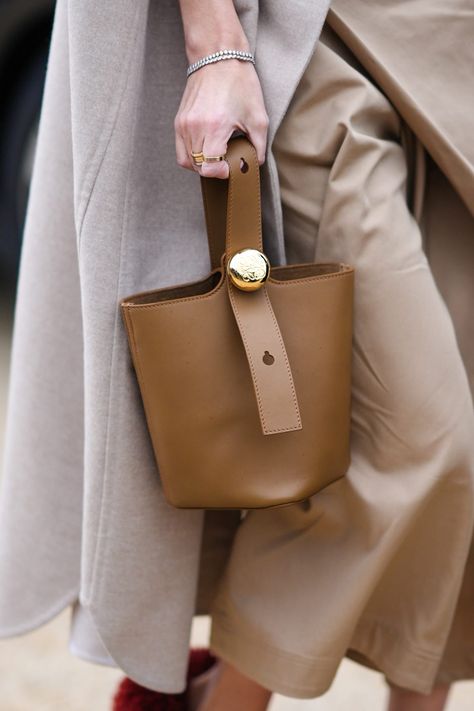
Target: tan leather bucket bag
(245, 376)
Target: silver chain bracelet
(217, 56)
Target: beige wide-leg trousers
(372, 566)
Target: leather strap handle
(214, 197)
(244, 213)
(219, 196)
(231, 226)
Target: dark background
(25, 29)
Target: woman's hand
(221, 97)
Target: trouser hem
(280, 671)
(376, 645)
(373, 644)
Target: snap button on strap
(248, 269)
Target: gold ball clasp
(248, 269)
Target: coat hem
(80, 654)
(44, 617)
(129, 669)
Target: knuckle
(192, 121)
(187, 121)
(183, 162)
(178, 122)
(262, 121)
(215, 120)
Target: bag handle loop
(233, 220)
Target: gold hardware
(248, 269)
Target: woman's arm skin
(220, 97)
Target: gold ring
(214, 159)
(199, 158)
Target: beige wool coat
(82, 514)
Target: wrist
(209, 26)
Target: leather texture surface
(212, 394)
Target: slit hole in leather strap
(268, 358)
(244, 166)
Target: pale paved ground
(38, 673)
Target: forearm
(210, 25)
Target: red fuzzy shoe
(131, 696)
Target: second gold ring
(199, 158)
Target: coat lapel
(421, 54)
